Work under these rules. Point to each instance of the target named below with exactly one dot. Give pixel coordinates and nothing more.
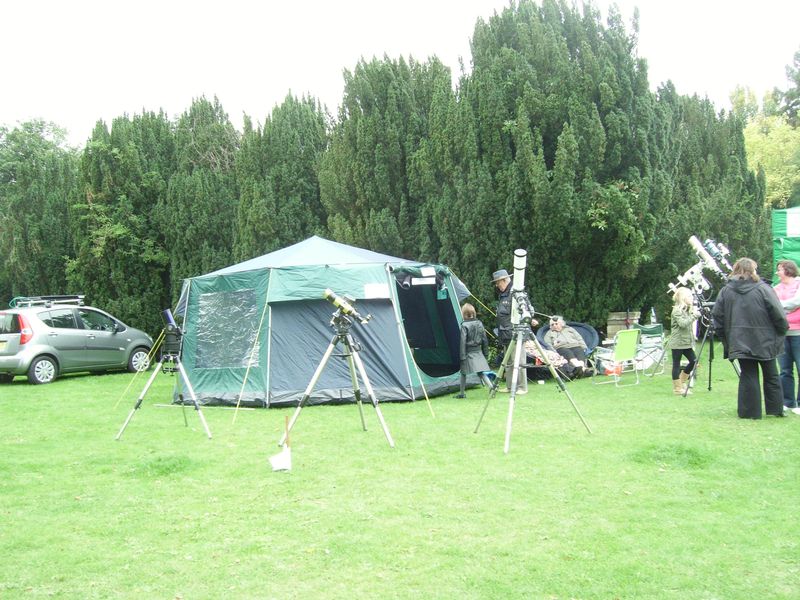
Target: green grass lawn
(667, 498)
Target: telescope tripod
(708, 335)
(341, 324)
(516, 348)
(168, 362)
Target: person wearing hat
(505, 330)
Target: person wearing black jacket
(505, 329)
(751, 322)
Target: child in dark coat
(474, 347)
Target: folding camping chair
(587, 332)
(620, 358)
(651, 355)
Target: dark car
(46, 336)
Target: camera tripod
(521, 316)
(516, 348)
(169, 362)
(341, 324)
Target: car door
(104, 348)
(65, 336)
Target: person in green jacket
(681, 342)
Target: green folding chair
(612, 363)
(651, 355)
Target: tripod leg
(371, 395)
(514, 381)
(710, 357)
(697, 363)
(309, 388)
(356, 390)
(493, 387)
(136, 406)
(559, 381)
(188, 383)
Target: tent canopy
(260, 327)
(785, 236)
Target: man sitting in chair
(568, 343)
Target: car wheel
(42, 370)
(6, 378)
(138, 360)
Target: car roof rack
(26, 301)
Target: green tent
(785, 236)
(261, 327)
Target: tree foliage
(120, 261)
(553, 143)
(38, 179)
(277, 170)
(198, 214)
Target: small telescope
(168, 318)
(345, 305)
(172, 334)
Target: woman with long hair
(681, 340)
(751, 321)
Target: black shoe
(460, 396)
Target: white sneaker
(796, 410)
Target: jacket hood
(743, 286)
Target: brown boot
(684, 379)
(677, 387)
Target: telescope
(520, 306)
(719, 251)
(172, 334)
(344, 305)
(692, 279)
(169, 320)
(704, 256)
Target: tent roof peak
(313, 251)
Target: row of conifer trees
(552, 142)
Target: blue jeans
(789, 362)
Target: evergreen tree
(378, 139)
(38, 179)
(120, 260)
(791, 97)
(198, 215)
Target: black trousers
(750, 390)
(570, 353)
(676, 361)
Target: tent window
(226, 329)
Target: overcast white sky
(76, 61)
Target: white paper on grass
(282, 461)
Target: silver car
(47, 336)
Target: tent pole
(422, 384)
(399, 322)
(150, 356)
(250, 360)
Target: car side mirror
(118, 327)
